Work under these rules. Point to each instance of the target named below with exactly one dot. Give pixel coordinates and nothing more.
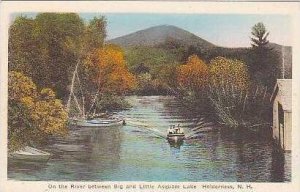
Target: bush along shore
(223, 91)
(237, 110)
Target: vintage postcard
(149, 96)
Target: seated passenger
(170, 130)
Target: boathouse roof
(283, 89)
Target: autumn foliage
(194, 74)
(33, 115)
(228, 72)
(47, 47)
(107, 69)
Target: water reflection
(99, 151)
(175, 144)
(140, 152)
(277, 168)
(29, 167)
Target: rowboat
(83, 118)
(98, 122)
(30, 153)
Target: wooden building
(282, 113)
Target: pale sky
(226, 30)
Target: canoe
(30, 153)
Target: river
(140, 152)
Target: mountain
(167, 44)
(157, 35)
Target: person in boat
(176, 129)
(170, 130)
(180, 130)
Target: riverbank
(137, 153)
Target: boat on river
(83, 118)
(30, 153)
(98, 122)
(175, 134)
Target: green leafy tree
(94, 34)
(48, 47)
(168, 78)
(24, 52)
(57, 33)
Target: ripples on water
(140, 152)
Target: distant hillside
(286, 52)
(164, 44)
(157, 35)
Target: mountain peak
(160, 34)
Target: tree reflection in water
(131, 153)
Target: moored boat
(30, 153)
(79, 116)
(98, 122)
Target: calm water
(139, 151)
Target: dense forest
(43, 54)
(233, 84)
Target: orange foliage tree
(193, 75)
(108, 70)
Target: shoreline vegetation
(232, 87)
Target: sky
(227, 30)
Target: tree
(168, 77)
(193, 75)
(94, 34)
(229, 83)
(57, 34)
(141, 68)
(105, 75)
(260, 35)
(196, 50)
(264, 62)
(144, 84)
(228, 72)
(108, 70)
(23, 52)
(32, 115)
(48, 47)
(236, 103)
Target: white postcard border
(286, 8)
